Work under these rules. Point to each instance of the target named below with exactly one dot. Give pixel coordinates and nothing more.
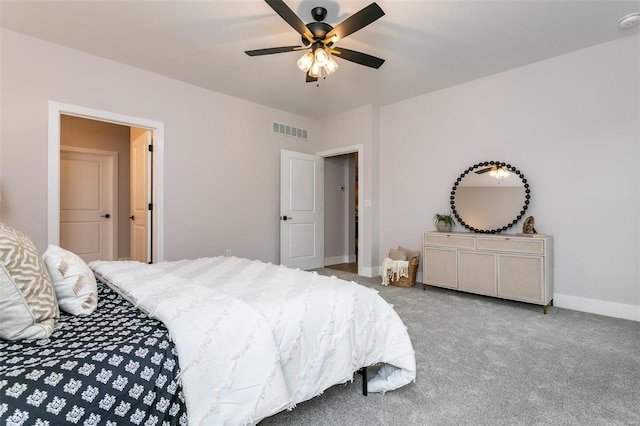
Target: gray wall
(570, 123)
(221, 158)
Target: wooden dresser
(505, 266)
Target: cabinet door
(440, 267)
(477, 273)
(521, 278)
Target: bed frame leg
(363, 371)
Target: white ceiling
(428, 45)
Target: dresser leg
(544, 309)
(424, 286)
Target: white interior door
(140, 217)
(301, 210)
(88, 203)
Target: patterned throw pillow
(74, 282)
(28, 305)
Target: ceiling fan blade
(290, 17)
(355, 22)
(357, 57)
(311, 79)
(272, 50)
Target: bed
(212, 341)
(254, 338)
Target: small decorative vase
(443, 227)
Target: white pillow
(74, 282)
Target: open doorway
(104, 195)
(94, 201)
(154, 184)
(341, 212)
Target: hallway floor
(346, 267)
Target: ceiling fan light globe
(305, 62)
(321, 56)
(331, 66)
(315, 70)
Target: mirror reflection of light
(499, 173)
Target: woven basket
(409, 281)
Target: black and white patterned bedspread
(115, 366)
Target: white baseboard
(368, 272)
(600, 307)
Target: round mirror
(490, 197)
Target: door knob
(106, 215)
(285, 218)
(132, 217)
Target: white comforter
(255, 338)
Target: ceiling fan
(487, 169)
(319, 38)
(497, 171)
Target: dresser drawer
(519, 245)
(449, 240)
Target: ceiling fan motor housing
(319, 31)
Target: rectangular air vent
(286, 130)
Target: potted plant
(444, 222)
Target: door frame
(361, 218)
(113, 155)
(56, 109)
